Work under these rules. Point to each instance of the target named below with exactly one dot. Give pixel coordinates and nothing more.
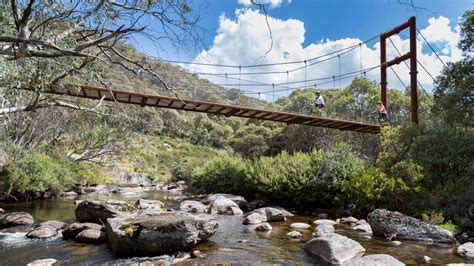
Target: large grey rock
(349, 220)
(385, 223)
(1, 210)
(192, 206)
(243, 204)
(100, 211)
(323, 229)
(223, 205)
(137, 179)
(72, 230)
(154, 233)
(376, 260)
(334, 248)
(58, 225)
(149, 205)
(255, 218)
(42, 232)
(268, 214)
(91, 236)
(10, 219)
(43, 262)
(466, 250)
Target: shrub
(449, 226)
(285, 178)
(224, 174)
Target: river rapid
(232, 243)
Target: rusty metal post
(383, 70)
(413, 72)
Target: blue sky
(236, 34)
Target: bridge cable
(439, 58)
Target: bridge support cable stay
(158, 101)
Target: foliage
(224, 174)
(450, 227)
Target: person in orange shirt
(381, 111)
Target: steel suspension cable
(439, 58)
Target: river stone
(100, 211)
(334, 248)
(349, 220)
(386, 223)
(10, 219)
(254, 218)
(91, 236)
(363, 228)
(294, 235)
(68, 194)
(154, 233)
(72, 230)
(223, 205)
(324, 221)
(58, 225)
(243, 204)
(149, 205)
(42, 232)
(43, 262)
(264, 227)
(271, 214)
(466, 250)
(192, 206)
(300, 225)
(1, 211)
(323, 229)
(376, 260)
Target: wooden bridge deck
(142, 99)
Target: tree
(457, 81)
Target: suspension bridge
(194, 105)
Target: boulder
(154, 233)
(270, 214)
(1, 211)
(149, 205)
(264, 227)
(72, 230)
(10, 219)
(198, 254)
(300, 225)
(324, 221)
(294, 235)
(43, 262)
(42, 232)
(58, 225)
(466, 250)
(385, 223)
(91, 236)
(243, 204)
(254, 218)
(376, 260)
(100, 211)
(192, 206)
(223, 205)
(323, 229)
(349, 220)
(334, 248)
(135, 179)
(365, 228)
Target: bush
(450, 227)
(285, 178)
(224, 174)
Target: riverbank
(232, 242)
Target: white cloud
(245, 40)
(272, 3)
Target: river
(226, 246)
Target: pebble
(294, 235)
(367, 237)
(396, 243)
(324, 221)
(263, 227)
(198, 254)
(426, 259)
(300, 225)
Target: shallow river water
(225, 247)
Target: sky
(237, 34)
